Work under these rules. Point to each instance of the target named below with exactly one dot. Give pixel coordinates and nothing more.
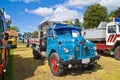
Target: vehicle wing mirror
(84, 34)
(54, 36)
(6, 36)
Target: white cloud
(62, 13)
(79, 3)
(26, 1)
(110, 4)
(41, 11)
(6, 15)
(31, 27)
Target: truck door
(111, 35)
(49, 40)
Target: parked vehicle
(65, 47)
(4, 48)
(106, 37)
(13, 38)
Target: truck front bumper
(79, 62)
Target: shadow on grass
(80, 71)
(105, 54)
(25, 67)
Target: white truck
(106, 37)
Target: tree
(94, 15)
(35, 33)
(19, 35)
(77, 22)
(110, 16)
(117, 13)
(27, 34)
(14, 28)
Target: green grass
(10, 66)
(20, 43)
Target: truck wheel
(2, 76)
(117, 53)
(54, 65)
(35, 54)
(91, 67)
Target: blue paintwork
(86, 49)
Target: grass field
(9, 73)
(26, 68)
(10, 66)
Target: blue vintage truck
(64, 47)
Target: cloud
(79, 3)
(31, 27)
(110, 4)
(71, 9)
(26, 1)
(62, 13)
(41, 11)
(6, 15)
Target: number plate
(87, 60)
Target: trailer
(64, 47)
(106, 37)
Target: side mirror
(84, 34)
(6, 36)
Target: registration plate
(87, 60)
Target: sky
(28, 14)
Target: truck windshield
(119, 27)
(68, 31)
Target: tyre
(2, 76)
(36, 55)
(117, 53)
(54, 65)
(91, 67)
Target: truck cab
(65, 47)
(112, 33)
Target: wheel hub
(119, 53)
(54, 65)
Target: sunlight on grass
(10, 66)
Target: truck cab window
(75, 33)
(119, 27)
(112, 29)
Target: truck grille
(85, 51)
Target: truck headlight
(94, 48)
(96, 53)
(77, 48)
(66, 50)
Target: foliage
(77, 22)
(94, 15)
(27, 34)
(14, 28)
(117, 13)
(35, 33)
(20, 36)
(110, 16)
